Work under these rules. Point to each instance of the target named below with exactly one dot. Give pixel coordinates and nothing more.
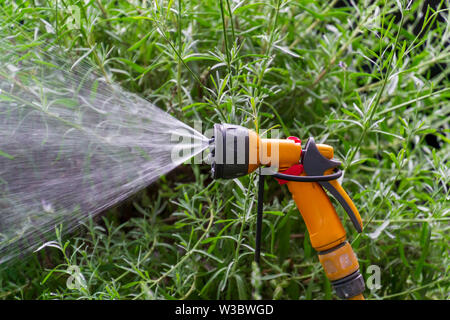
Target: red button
(295, 170)
(295, 139)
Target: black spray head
(229, 151)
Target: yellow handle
(328, 236)
(323, 224)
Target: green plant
(371, 79)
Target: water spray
(72, 145)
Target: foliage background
(368, 77)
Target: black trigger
(314, 163)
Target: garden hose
(237, 151)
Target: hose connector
(342, 269)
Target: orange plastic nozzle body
(279, 153)
(323, 224)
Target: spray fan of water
(72, 145)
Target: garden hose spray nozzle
(308, 172)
